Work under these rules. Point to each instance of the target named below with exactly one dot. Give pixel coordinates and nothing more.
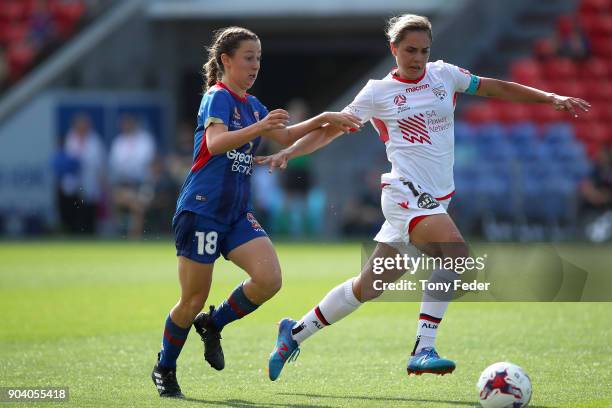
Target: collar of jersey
(407, 81)
(234, 94)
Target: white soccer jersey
(415, 120)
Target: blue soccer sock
(172, 343)
(235, 307)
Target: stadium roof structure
(213, 9)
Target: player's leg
(341, 301)
(194, 239)
(248, 246)
(195, 279)
(437, 236)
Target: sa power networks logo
(414, 129)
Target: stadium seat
(569, 88)
(525, 71)
(559, 69)
(542, 113)
(558, 133)
(598, 90)
(546, 194)
(491, 132)
(464, 132)
(594, 6)
(512, 112)
(12, 33)
(602, 25)
(20, 58)
(480, 113)
(525, 133)
(12, 11)
(602, 46)
(591, 132)
(595, 68)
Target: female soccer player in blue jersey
(214, 213)
(412, 109)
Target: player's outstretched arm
(220, 140)
(308, 144)
(291, 134)
(511, 91)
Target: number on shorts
(207, 242)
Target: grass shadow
(398, 399)
(237, 403)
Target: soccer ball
(504, 385)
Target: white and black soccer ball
(504, 385)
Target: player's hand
(569, 104)
(343, 121)
(277, 119)
(277, 160)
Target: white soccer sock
(337, 304)
(433, 307)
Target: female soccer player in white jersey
(412, 110)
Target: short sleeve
(363, 104)
(216, 108)
(463, 79)
(262, 109)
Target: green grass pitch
(89, 316)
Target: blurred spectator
(130, 159)
(362, 216)
(79, 167)
(42, 27)
(305, 202)
(544, 49)
(162, 192)
(569, 40)
(597, 197)
(181, 159)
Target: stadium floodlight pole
(67, 56)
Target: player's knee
(457, 249)
(269, 281)
(193, 304)
(274, 283)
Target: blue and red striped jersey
(219, 186)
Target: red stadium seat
(19, 58)
(602, 25)
(596, 6)
(67, 15)
(12, 33)
(598, 91)
(525, 71)
(569, 88)
(595, 68)
(591, 132)
(12, 10)
(542, 113)
(510, 113)
(602, 46)
(559, 69)
(481, 113)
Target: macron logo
(414, 129)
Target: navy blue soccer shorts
(202, 239)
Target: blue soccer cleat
(285, 350)
(428, 361)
